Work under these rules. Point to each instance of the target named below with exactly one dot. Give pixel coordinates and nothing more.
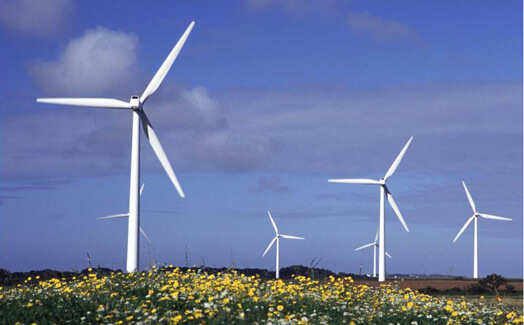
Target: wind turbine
(384, 191)
(475, 217)
(136, 104)
(277, 239)
(375, 245)
(126, 215)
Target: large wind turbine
(375, 245)
(277, 239)
(475, 217)
(126, 215)
(139, 117)
(384, 191)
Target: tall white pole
(381, 239)
(475, 252)
(277, 271)
(134, 198)
(375, 261)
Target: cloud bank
(457, 128)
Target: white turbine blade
(144, 234)
(164, 68)
(361, 247)
(157, 147)
(395, 164)
(273, 222)
(395, 208)
(376, 236)
(388, 255)
(464, 228)
(142, 188)
(121, 215)
(470, 199)
(90, 102)
(269, 246)
(291, 237)
(355, 181)
(489, 216)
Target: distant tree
(493, 282)
(510, 288)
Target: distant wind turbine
(384, 191)
(375, 245)
(126, 215)
(136, 104)
(475, 216)
(277, 239)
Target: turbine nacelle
(135, 103)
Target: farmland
(175, 296)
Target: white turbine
(384, 191)
(475, 216)
(126, 215)
(277, 239)
(375, 245)
(139, 117)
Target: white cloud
(379, 28)
(200, 100)
(99, 61)
(297, 7)
(36, 18)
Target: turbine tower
(375, 245)
(384, 191)
(136, 105)
(475, 217)
(126, 215)
(277, 239)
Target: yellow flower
(128, 318)
(225, 301)
(153, 310)
(511, 315)
(29, 304)
(280, 307)
(410, 304)
(176, 319)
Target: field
(443, 284)
(173, 296)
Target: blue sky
(267, 100)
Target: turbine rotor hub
(382, 181)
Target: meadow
(174, 296)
